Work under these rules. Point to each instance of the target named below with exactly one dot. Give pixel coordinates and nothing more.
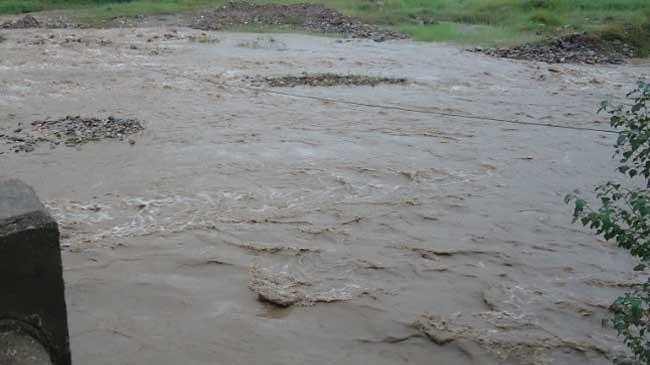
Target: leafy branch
(623, 213)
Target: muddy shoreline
(304, 17)
(577, 48)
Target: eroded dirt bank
(395, 237)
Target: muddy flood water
(394, 235)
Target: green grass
(104, 9)
(487, 22)
(489, 35)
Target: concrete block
(32, 300)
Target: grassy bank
(466, 21)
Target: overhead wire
(408, 109)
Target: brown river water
(412, 237)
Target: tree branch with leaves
(623, 212)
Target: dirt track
(397, 217)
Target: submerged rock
(275, 288)
(327, 80)
(284, 289)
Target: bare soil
(309, 17)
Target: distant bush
(545, 17)
(538, 4)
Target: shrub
(545, 17)
(623, 214)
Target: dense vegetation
(468, 21)
(622, 214)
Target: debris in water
(326, 80)
(275, 288)
(601, 283)
(71, 131)
(507, 336)
(203, 38)
(434, 254)
(370, 265)
(264, 42)
(275, 249)
(284, 289)
(205, 262)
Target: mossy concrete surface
(33, 301)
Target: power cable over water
(384, 106)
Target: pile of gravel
(326, 80)
(574, 48)
(310, 17)
(70, 131)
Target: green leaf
(624, 213)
